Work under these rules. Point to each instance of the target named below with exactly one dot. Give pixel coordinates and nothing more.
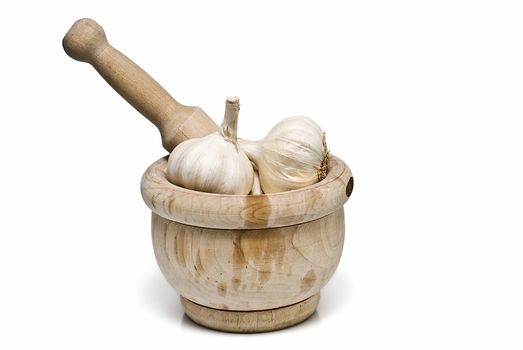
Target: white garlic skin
(210, 164)
(289, 156)
(256, 186)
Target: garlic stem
(229, 125)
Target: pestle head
(84, 39)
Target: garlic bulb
(213, 163)
(292, 155)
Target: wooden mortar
(248, 263)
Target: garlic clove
(256, 186)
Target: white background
(423, 99)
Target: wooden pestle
(86, 42)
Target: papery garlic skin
(213, 163)
(210, 164)
(256, 186)
(291, 156)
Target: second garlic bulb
(292, 155)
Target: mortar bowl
(248, 263)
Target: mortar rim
(245, 211)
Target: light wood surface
(248, 263)
(251, 321)
(249, 211)
(249, 269)
(86, 41)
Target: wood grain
(249, 269)
(251, 321)
(249, 211)
(86, 41)
(239, 261)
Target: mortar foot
(251, 321)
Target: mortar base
(251, 321)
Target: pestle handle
(86, 42)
